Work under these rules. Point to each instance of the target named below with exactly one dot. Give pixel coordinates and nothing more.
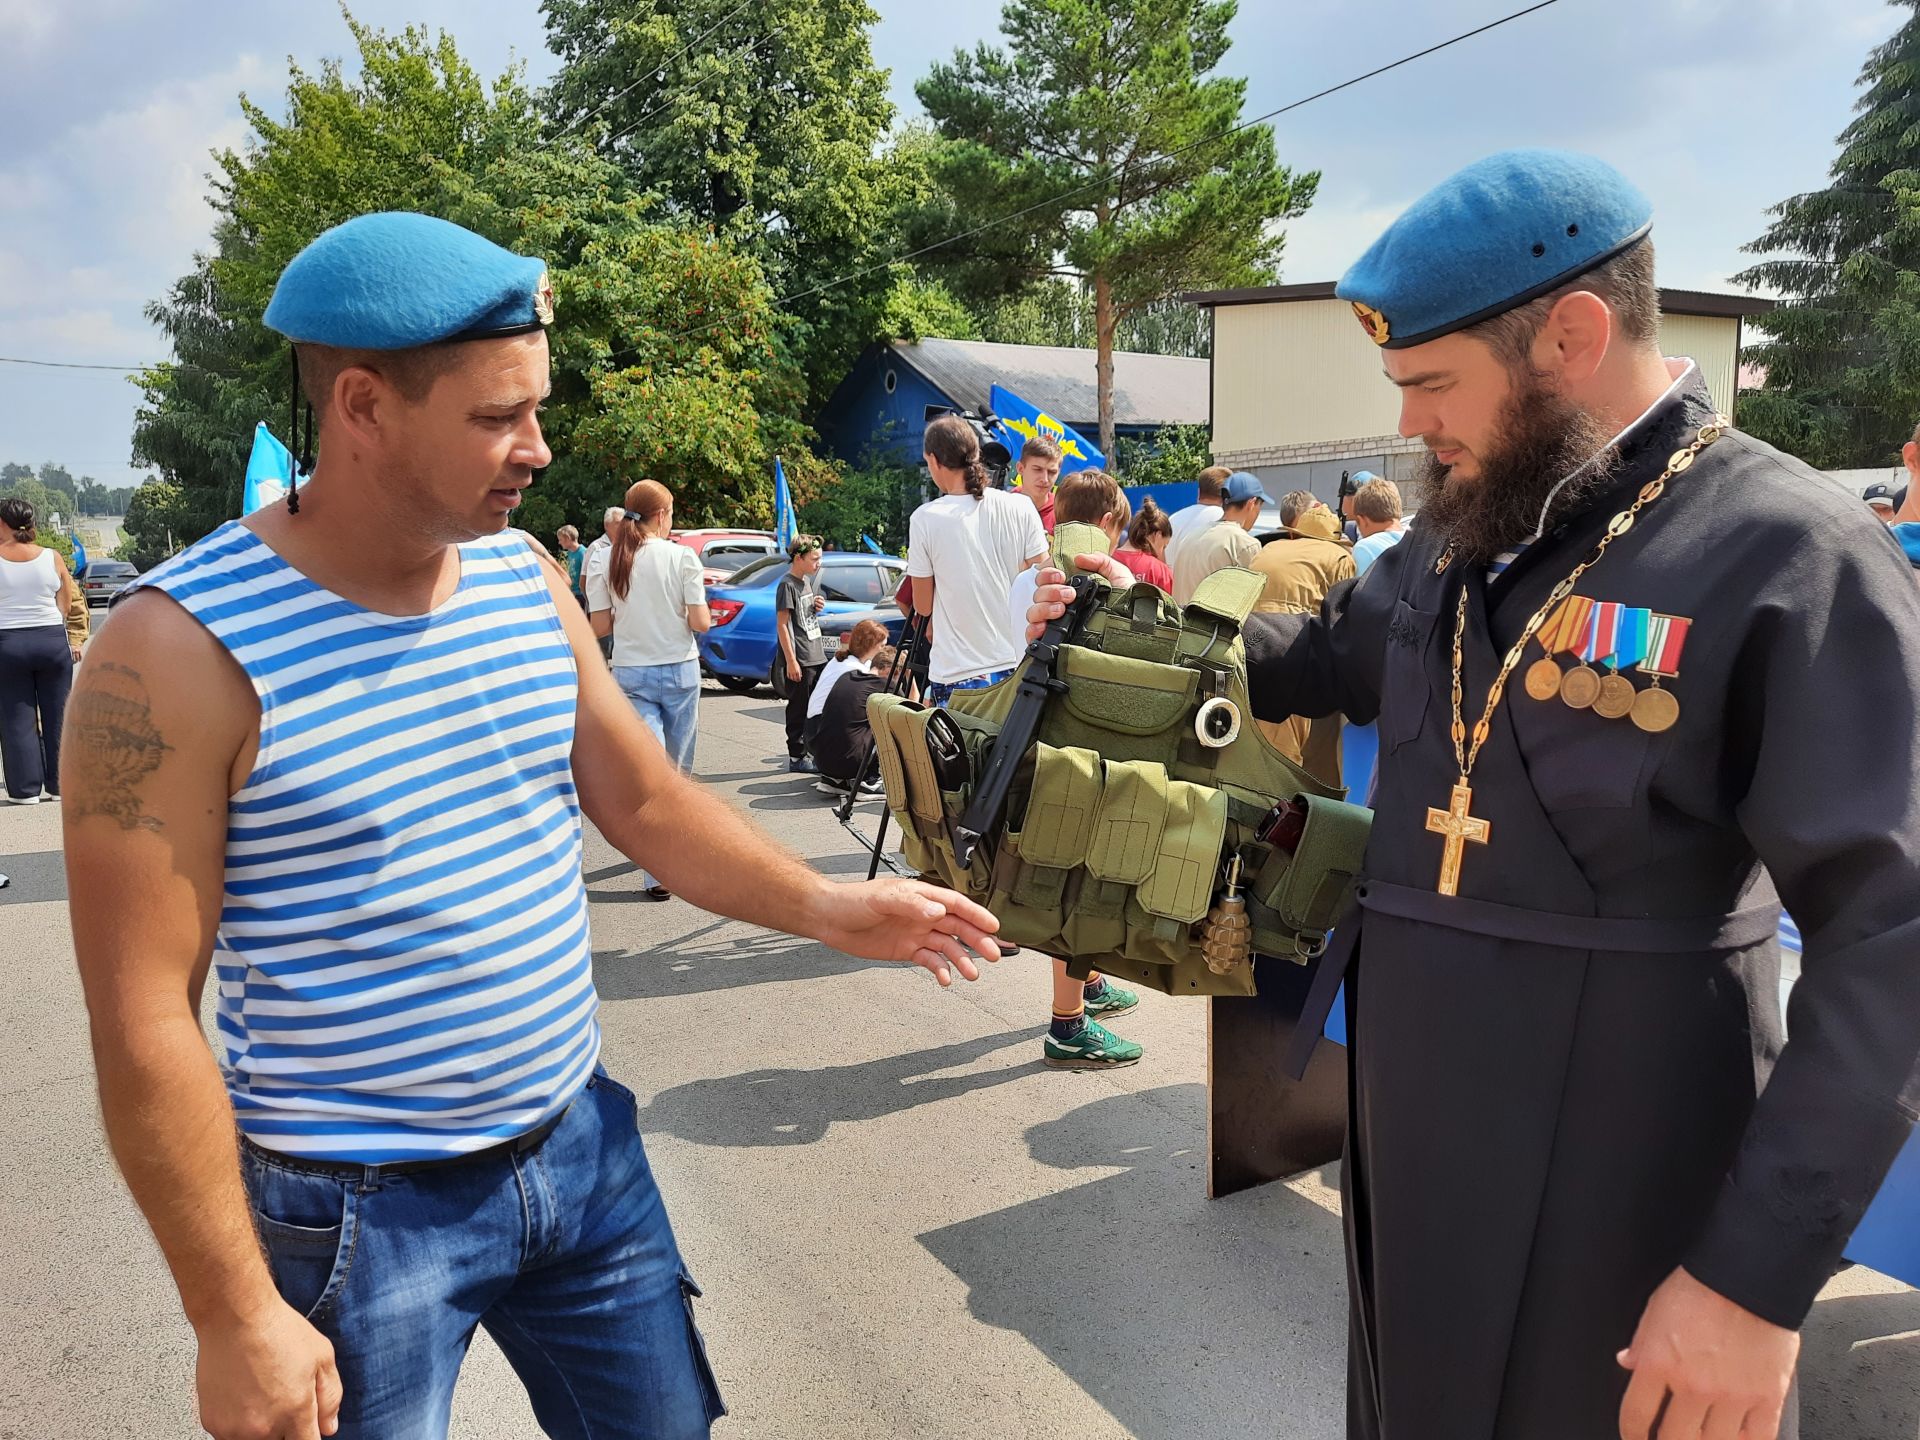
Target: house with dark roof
(883, 401)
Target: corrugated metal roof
(1147, 389)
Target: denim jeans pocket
(703, 1368)
(600, 1080)
(308, 1224)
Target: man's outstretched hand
(909, 922)
(1052, 594)
(1721, 1371)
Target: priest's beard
(1542, 438)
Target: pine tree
(1842, 351)
(1104, 127)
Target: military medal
(1617, 692)
(1656, 710)
(1457, 823)
(1582, 685)
(1561, 632)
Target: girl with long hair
(650, 599)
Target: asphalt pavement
(904, 1224)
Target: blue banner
(783, 522)
(79, 565)
(1020, 422)
(269, 471)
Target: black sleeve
(1317, 665)
(1823, 728)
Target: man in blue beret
(341, 753)
(1591, 1186)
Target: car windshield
(728, 561)
(764, 571)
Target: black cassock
(1571, 1078)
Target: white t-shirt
(1190, 519)
(836, 667)
(971, 549)
(650, 620)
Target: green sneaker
(1113, 1001)
(1094, 1048)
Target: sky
(112, 109)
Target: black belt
(350, 1170)
(1630, 934)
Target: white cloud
(147, 166)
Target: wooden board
(1262, 1125)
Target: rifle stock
(1037, 682)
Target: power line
(660, 72)
(1103, 179)
(681, 95)
(1000, 220)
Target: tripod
(899, 678)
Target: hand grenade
(1226, 940)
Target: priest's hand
(1051, 594)
(1722, 1371)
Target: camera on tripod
(994, 453)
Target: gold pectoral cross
(1459, 827)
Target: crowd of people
(1573, 1098)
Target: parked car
(722, 552)
(107, 578)
(742, 650)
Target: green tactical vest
(1121, 821)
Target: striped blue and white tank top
(403, 960)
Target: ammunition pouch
(1126, 811)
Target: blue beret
(1242, 487)
(395, 280)
(1504, 231)
(1361, 477)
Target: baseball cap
(1242, 487)
(1881, 494)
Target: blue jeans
(667, 697)
(564, 1254)
(938, 692)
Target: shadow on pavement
(796, 1107)
(1180, 1316)
(699, 962)
(38, 875)
(1860, 1367)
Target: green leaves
(1842, 351)
(1103, 121)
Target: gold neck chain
(1618, 526)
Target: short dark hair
(1088, 496)
(411, 372)
(1041, 447)
(1625, 283)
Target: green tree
(152, 520)
(1174, 455)
(760, 118)
(1061, 312)
(1842, 350)
(874, 498)
(1104, 122)
(642, 385)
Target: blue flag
(269, 471)
(783, 523)
(1020, 422)
(872, 544)
(79, 566)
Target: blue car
(742, 650)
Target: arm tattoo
(115, 745)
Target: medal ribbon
(1666, 638)
(1602, 632)
(1568, 626)
(1630, 648)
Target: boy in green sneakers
(1076, 1040)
